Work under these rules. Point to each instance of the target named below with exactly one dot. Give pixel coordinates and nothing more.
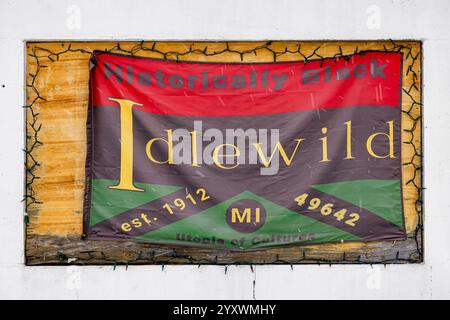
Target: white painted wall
(227, 20)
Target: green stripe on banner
(382, 197)
(211, 225)
(107, 203)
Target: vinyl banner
(242, 156)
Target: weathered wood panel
(57, 97)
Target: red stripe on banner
(238, 89)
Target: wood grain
(57, 95)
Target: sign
(244, 156)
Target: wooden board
(57, 99)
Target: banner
(243, 156)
